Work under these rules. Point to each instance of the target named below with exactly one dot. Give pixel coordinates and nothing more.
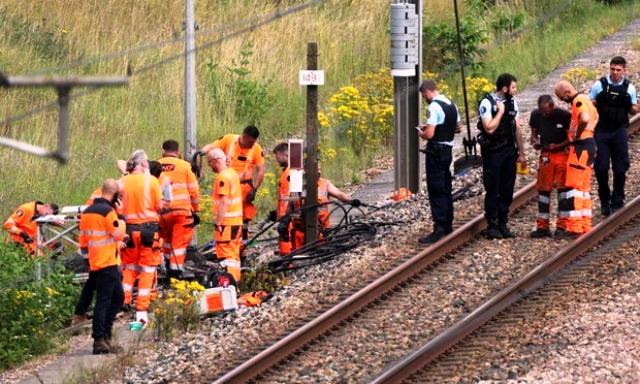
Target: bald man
(575, 199)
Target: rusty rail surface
(347, 308)
(533, 280)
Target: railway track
(359, 327)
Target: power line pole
(190, 144)
(311, 164)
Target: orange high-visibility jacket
(283, 194)
(184, 185)
(141, 197)
(23, 220)
(227, 183)
(243, 160)
(100, 231)
(582, 103)
(97, 193)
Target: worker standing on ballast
(227, 213)
(615, 99)
(22, 225)
(178, 221)
(443, 122)
(141, 204)
(582, 151)
(502, 146)
(100, 239)
(549, 131)
(245, 156)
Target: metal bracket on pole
(63, 86)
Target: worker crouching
(227, 211)
(22, 225)
(101, 235)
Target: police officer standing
(615, 98)
(442, 123)
(501, 144)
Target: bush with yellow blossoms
(177, 309)
(579, 76)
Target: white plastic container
(218, 299)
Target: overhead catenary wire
(260, 22)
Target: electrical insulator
(404, 40)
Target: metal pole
(62, 153)
(407, 116)
(467, 150)
(190, 144)
(311, 163)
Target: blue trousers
(499, 179)
(613, 151)
(438, 161)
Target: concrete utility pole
(190, 143)
(63, 86)
(406, 64)
(311, 165)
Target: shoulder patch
(579, 104)
(116, 223)
(19, 213)
(483, 109)
(168, 167)
(221, 184)
(262, 153)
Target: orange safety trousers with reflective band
(100, 231)
(228, 242)
(578, 186)
(176, 231)
(139, 262)
(552, 169)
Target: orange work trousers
(140, 260)
(228, 243)
(176, 230)
(297, 229)
(578, 185)
(248, 209)
(552, 170)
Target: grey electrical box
(404, 39)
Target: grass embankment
(111, 123)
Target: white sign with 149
(311, 77)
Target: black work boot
(437, 234)
(492, 231)
(540, 233)
(505, 231)
(605, 209)
(115, 348)
(101, 347)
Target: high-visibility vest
(185, 192)
(242, 159)
(227, 183)
(141, 198)
(100, 231)
(283, 194)
(582, 103)
(22, 220)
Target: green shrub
(441, 45)
(31, 310)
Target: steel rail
(533, 280)
(353, 304)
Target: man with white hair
(227, 213)
(141, 204)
